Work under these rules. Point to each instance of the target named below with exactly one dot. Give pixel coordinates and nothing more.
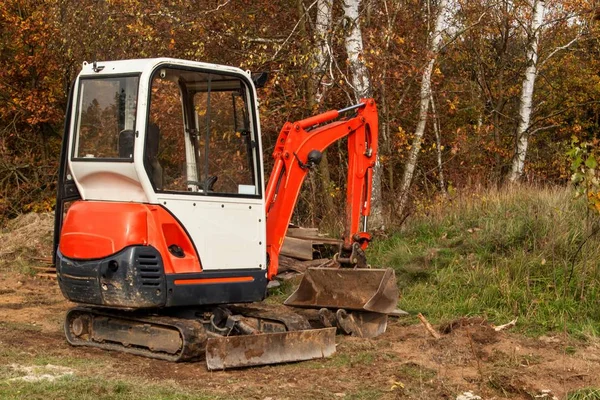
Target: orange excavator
(166, 235)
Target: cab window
(106, 115)
(199, 137)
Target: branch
(556, 50)
(293, 29)
(261, 40)
(544, 128)
(428, 327)
(218, 7)
(563, 19)
(459, 33)
(561, 111)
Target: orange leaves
(32, 78)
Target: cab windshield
(106, 115)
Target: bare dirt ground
(403, 363)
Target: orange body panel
(94, 230)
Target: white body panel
(119, 183)
(228, 232)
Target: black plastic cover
(131, 278)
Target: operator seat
(126, 140)
(151, 156)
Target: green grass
(416, 371)
(523, 252)
(584, 394)
(85, 380)
(279, 294)
(351, 359)
(76, 388)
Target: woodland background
(461, 85)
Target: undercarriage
(241, 335)
(227, 337)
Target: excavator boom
(299, 148)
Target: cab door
(202, 156)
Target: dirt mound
(27, 237)
(477, 329)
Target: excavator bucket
(269, 348)
(360, 289)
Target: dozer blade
(269, 348)
(361, 289)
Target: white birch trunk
(361, 85)
(323, 55)
(526, 103)
(354, 48)
(319, 84)
(411, 163)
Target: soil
(405, 362)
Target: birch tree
(361, 86)
(323, 53)
(425, 95)
(526, 101)
(318, 87)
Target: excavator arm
(299, 148)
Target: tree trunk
(522, 136)
(354, 47)
(361, 85)
(438, 141)
(385, 145)
(411, 163)
(319, 86)
(323, 55)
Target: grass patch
(20, 326)
(365, 394)
(76, 388)
(525, 252)
(279, 294)
(416, 371)
(351, 359)
(584, 394)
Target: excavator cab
(164, 220)
(165, 155)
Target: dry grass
(26, 238)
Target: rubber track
(192, 333)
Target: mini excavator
(166, 235)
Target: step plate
(269, 348)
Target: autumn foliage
(476, 81)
